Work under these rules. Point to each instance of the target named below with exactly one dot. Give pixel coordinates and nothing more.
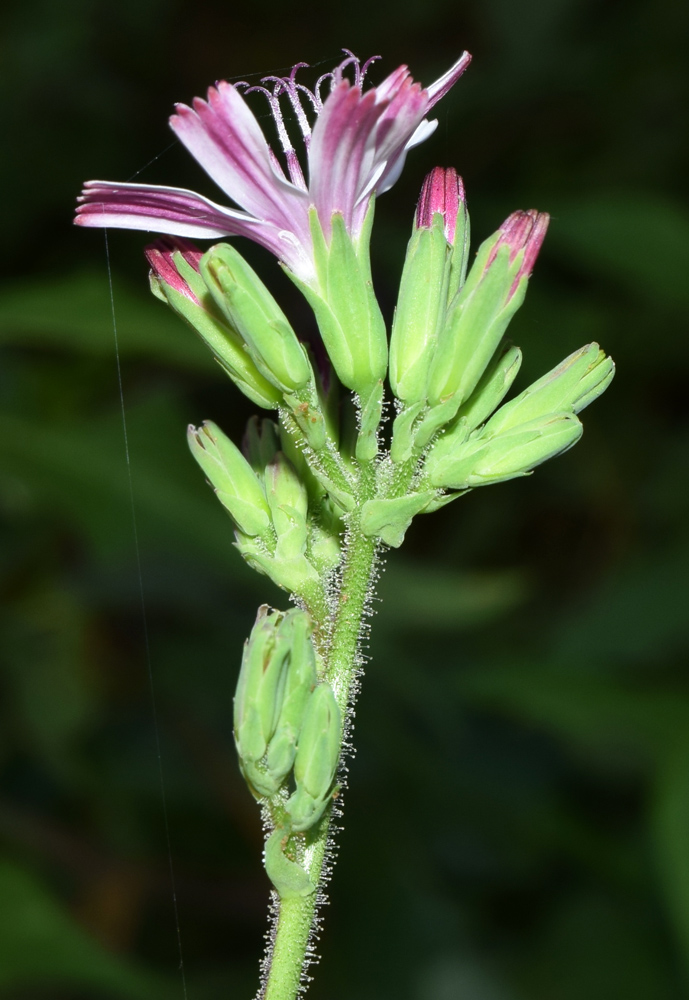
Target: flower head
(355, 148)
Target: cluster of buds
(286, 527)
(287, 726)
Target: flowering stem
(291, 947)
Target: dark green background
(518, 821)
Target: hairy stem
(293, 931)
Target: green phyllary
(348, 315)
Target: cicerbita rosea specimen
(316, 490)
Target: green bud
(261, 442)
(479, 314)
(259, 695)
(190, 299)
(480, 461)
(252, 310)
(315, 764)
(347, 312)
(235, 482)
(287, 564)
(300, 682)
(420, 311)
(572, 385)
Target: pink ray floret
(355, 148)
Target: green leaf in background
(638, 238)
(423, 597)
(73, 313)
(42, 945)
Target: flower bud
(233, 479)
(259, 694)
(288, 565)
(481, 310)
(315, 764)
(175, 279)
(572, 385)
(286, 495)
(443, 193)
(424, 288)
(252, 310)
(260, 443)
(480, 461)
(300, 682)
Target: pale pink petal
(445, 83)
(175, 211)
(223, 135)
(338, 146)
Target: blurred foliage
(517, 826)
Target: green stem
(289, 952)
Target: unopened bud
(300, 682)
(259, 695)
(426, 279)
(175, 279)
(479, 315)
(572, 385)
(478, 462)
(252, 310)
(233, 479)
(315, 764)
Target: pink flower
(356, 148)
